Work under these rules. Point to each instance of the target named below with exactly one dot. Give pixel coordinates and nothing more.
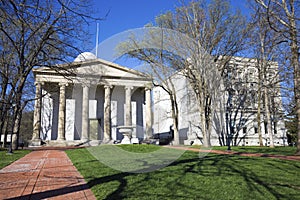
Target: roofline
(72, 65)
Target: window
(266, 127)
(244, 130)
(229, 74)
(239, 75)
(274, 127)
(251, 74)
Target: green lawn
(280, 150)
(190, 177)
(7, 159)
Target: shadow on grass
(53, 193)
(219, 171)
(119, 177)
(190, 177)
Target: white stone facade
(243, 72)
(91, 100)
(88, 100)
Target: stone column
(128, 109)
(85, 113)
(148, 113)
(37, 115)
(62, 112)
(107, 113)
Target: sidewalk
(294, 158)
(43, 174)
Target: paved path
(43, 174)
(295, 158)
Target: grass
(139, 148)
(190, 177)
(280, 150)
(7, 159)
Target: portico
(87, 100)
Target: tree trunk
(175, 129)
(175, 119)
(176, 133)
(227, 131)
(4, 124)
(259, 109)
(295, 63)
(262, 36)
(206, 140)
(297, 99)
(298, 134)
(16, 129)
(4, 132)
(268, 116)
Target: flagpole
(97, 38)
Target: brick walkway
(294, 158)
(43, 174)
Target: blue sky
(127, 14)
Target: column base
(135, 140)
(35, 143)
(84, 140)
(107, 141)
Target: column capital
(63, 84)
(148, 88)
(108, 86)
(38, 83)
(128, 87)
(86, 84)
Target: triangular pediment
(104, 68)
(94, 68)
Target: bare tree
(151, 49)
(240, 98)
(32, 34)
(220, 32)
(283, 18)
(266, 51)
(215, 32)
(261, 37)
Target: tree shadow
(223, 165)
(214, 167)
(53, 193)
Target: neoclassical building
(236, 111)
(89, 101)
